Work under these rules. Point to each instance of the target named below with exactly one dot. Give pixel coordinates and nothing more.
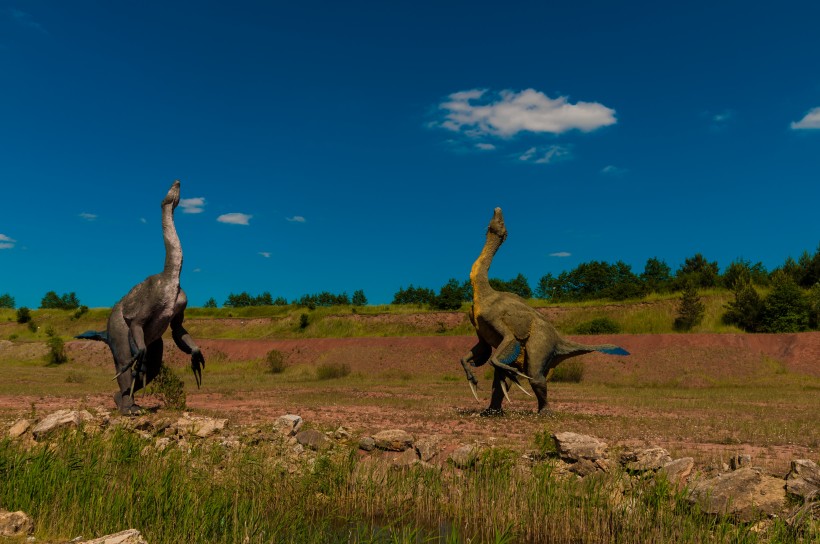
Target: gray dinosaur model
(139, 319)
(526, 344)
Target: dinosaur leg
(497, 397)
(539, 361)
(477, 356)
(120, 345)
(150, 365)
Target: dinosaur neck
(173, 249)
(479, 274)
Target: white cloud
(6, 242)
(561, 254)
(197, 270)
(4, 238)
(265, 254)
(192, 205)
(612, 170)
(235, 218)
(88, 216)
(24, 19)
(485, 146)
(722, 117)
(143, 220)
(810, 121)
(296, 219)
(551, 154)
(478, 112)
(6, 245)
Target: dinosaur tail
(102, 336)
(566, 347)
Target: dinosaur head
(496, 226)
(172, 197)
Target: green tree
(68, 301)
(414, 295)
(785, 309)
(691, 309)
(698, 270)
(813, 301)
(210, 303)
(23, 315)
(746, 309)
(358, 298)
(6, 301)
(280, 301)
(450, 296)
(265, 299)
(656, 276)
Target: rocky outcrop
(130, 536)
(573, 447)
(393, 440)
(61, 419)
(201, 426)
(745, 494)
(288, 424)
(803, 479)
(313, 439)
(15, 524)
(465, 456)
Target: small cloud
(6, 242)
(5, 245)
(722, 117)
(485, 146)
(88, 216)
(551, 154)
(24, 19)
(265, 254)
(296, 219)
(4, 238)
(810, 121)
(561, 254)
(235, 218)
(506, 113)
(192, 205)
(143, 220)
(197, 270)
(612, 170)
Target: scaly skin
(138, 321)
(514, 338)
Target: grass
(100, 483)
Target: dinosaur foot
(546, 413)
(126, 405)
(492, 412)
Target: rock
(367, 443)
(201, 426)
(313, 439)
(583, 467)
(645, 460)
(406, 458)
(61, 419)
(740, 461)
(130, 536)
(15, 524)
(464, 456)
(427, 447)
(744, 494)
(573, 447)
(393, 440)
(162, 443)
(19, 428)
(289, 424)
(342, 433)
(678, 471)
(803, 479)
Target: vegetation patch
(332, 371)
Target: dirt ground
(416, 384)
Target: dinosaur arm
(507, 351)
(137, 339)
(183, 339)
(477, 356)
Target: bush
(691, 309)
(745, 310)
(785, 309)
(275, 362)
(56, 350)
(6, 301)
(68, 301)
(568, 372)
(601, 325)
(359, 298)
(304, 321)
(23, 315)
(169, 388)
(329, 371)
(80, 311)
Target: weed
(568, 372)
(56, 351)
(275, 362)
(169, 388)
(330, 371)
(75, 377)
(600, 325)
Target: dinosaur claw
(504, 389)
(473, 389)
(521, 388)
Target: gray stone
(201, 426)
(15, 524)
(393, 440)
(61, 419)
(744, 494)
(573, 447)
(19, 428)
(289, 424)
(367, 443)
(342, 433)
(313, 439)
(427, 447)
(803, 479)
(646, 459)
(678, 471)
(464, 456)
(406, 458)
(740, 461)
(130, 536)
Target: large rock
(803, 479)
(649, 459)
(744, 494)
(678, 471)
(313, 439)
(200, 426)
(289, 424)
(427, 447)
(129, 536)
(61, 419)
(19, 428)
(465, 456)
(367, 443)
(15, 524)
(393, 440)
(573, 447)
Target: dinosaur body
(513, 337)
(138, 321)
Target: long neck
(173, 249)
(479, 277)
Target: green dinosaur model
(526, 345)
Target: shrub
(80, 311)
(56, 350)
(568, 372)
(304, 321)
(6, 301)
(23, 315)
(32, 326)
(75, 377)
(169, 388)
(601, 325)
(275, 362)
(691, 309)
(785, 309)
(329, 371)
(745, 310)
(359, 298)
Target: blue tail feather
(614, 351)
(102, 336)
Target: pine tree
(691, 309)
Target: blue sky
(364, 145)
